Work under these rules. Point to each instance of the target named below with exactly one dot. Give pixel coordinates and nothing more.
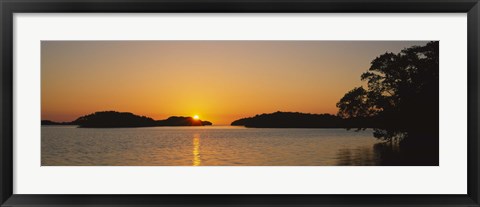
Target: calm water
(206, 146)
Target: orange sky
(221, 81)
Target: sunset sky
(220, 81)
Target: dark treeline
(113, 119)
(48, 122)
(182, 121)
(304, 120)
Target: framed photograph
(239, 103)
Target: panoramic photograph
(240, 103)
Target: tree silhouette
(402, 90)
(356, 104)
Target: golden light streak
(196, 150)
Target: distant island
(114, 119)
(48, 122)
(303, 120)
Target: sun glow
(196, 117)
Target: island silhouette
(303, 120)
(114, 119)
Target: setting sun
(196, 117)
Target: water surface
(205, 146)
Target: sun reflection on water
(196, 150)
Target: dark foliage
(306, 120)
(106, 119)
(302, 120)
(403, 90)
(113, 119)
(206, 123)
(180, 121)
(48, 122)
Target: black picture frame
(10, 7)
